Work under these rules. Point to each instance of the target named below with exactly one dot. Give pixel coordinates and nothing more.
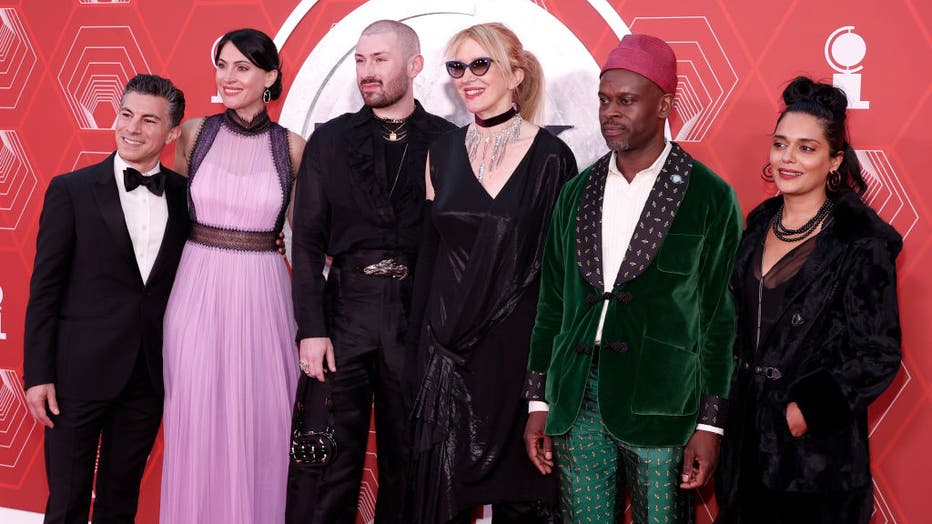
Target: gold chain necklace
(398, 133)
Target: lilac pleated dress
(230, 358)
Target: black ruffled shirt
(342, 202)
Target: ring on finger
(304, 366)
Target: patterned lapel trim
(658, 214)
(589, 224)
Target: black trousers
(125, 429)
(368, 334)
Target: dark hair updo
(829, 105)
(259, 49)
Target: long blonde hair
(503, 47)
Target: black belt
(233, 239)
(768, 372)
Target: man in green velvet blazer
(631, 351)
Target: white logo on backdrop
(844, 51)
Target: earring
(266, 96)
(767, 173)
(834, 180)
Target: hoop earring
(767, 173)
(266, 96)
(834, 180)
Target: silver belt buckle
(387, 268)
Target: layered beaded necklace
(492, 146)
(795, 235)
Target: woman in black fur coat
(818, 336)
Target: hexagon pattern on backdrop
(63, 64)
(17, 180)
(17, 58)
(16, 425)
(100, 61)
(706, 76)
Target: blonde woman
(492, 186)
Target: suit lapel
(175, 230)
(658, 214)
(589, 224)
(106, 192)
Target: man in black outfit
(359, 198)
(110, 238)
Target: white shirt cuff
(537, 405)
(710, 429)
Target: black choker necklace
(497, 119)
(795, 235)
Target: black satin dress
(479, 303)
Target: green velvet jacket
(669, 330)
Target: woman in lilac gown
(229, 349)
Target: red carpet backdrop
(63, 64)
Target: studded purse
(312, 448)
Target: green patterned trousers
(595, 468)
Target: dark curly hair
(829, 105)
(259, 49)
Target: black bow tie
(154, 183)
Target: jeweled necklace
(493, 145)
(397, 134)
(795, 235)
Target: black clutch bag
(312, 448)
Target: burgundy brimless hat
(647, 56)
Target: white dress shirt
(622, 205)
(146, 216)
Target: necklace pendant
(392, 137)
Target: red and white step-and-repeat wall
(63, 64)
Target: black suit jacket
(89, 311)
(836, 345)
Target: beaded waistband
(233, 239)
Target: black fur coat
(836, 345)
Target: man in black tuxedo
(110, 238)
(359, 198)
